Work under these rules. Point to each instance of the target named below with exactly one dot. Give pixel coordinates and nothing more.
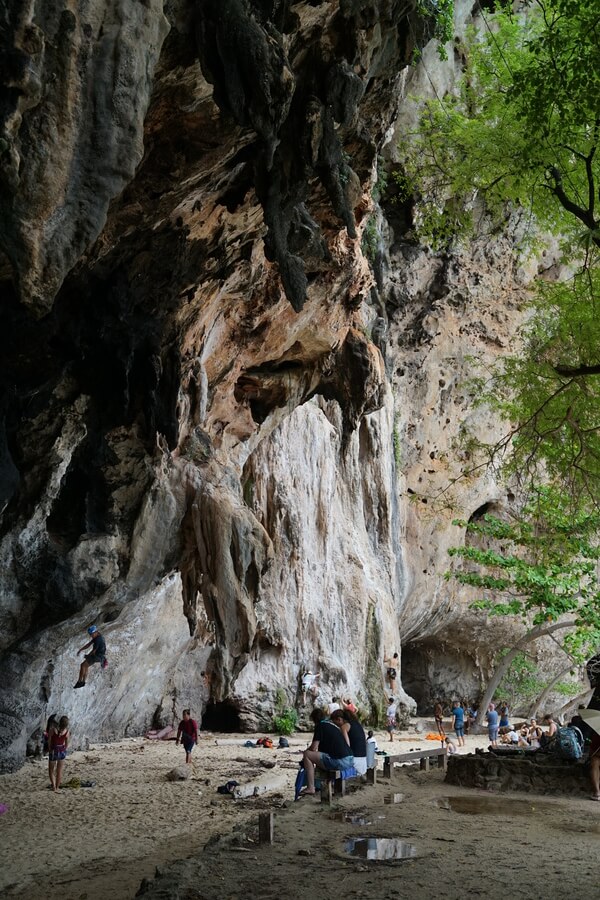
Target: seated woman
(330, 747)
(356, 735)
(524, 736)
(535, 736)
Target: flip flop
(594, 796)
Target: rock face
(220, 424)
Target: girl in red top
(58, 741)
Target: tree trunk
(533, 709)
(532, 635)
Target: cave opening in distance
(433, 670)
(221, 717)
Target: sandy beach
(101, 841)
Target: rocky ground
(104, 840)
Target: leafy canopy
(541, 565)
(520, 139)
(523, 128)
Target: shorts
(188, 743)
(459, 730)
(330, 763)
(493, 734)
(360, 764)
(57, 755)
(391, 725)
(92, 658)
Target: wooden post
(339, 784)
(442, 761)
(265, 828)
(372, 776)
(326, 790)
(387, 768)
(424, 764)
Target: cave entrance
(221, 717)
(432, 670)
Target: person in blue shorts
(493, 720)
(458, 722)
(330, 747)
(187, 733)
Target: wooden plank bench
(334, 783)
(423, 757)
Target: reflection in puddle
(494, 806)
(379, 848)
(351, 818)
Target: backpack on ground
(568, 743)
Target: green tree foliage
(521, 138)
(541, 566)
(521, 684)
(552, 390)
(523, 129)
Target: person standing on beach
(188, 734)
(438, 714)
(458, 722)
(492, 722)
(98, 654)
(390, 718)
(58, 741)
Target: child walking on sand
(58, 741)
(188, 734)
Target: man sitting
(511, 737)
(330, 747)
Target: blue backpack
(568, 743)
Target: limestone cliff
(220, 423)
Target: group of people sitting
(338, 743)
(529, 735)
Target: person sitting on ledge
(451, 747)
(511, 737)
(98, 654)
(329, 749)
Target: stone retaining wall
(538, 773)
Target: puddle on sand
(493, 806)
(379, 848)
(350, 818)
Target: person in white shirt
(390, 715)
(451, 747)
(309, 685)
(511, 737)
